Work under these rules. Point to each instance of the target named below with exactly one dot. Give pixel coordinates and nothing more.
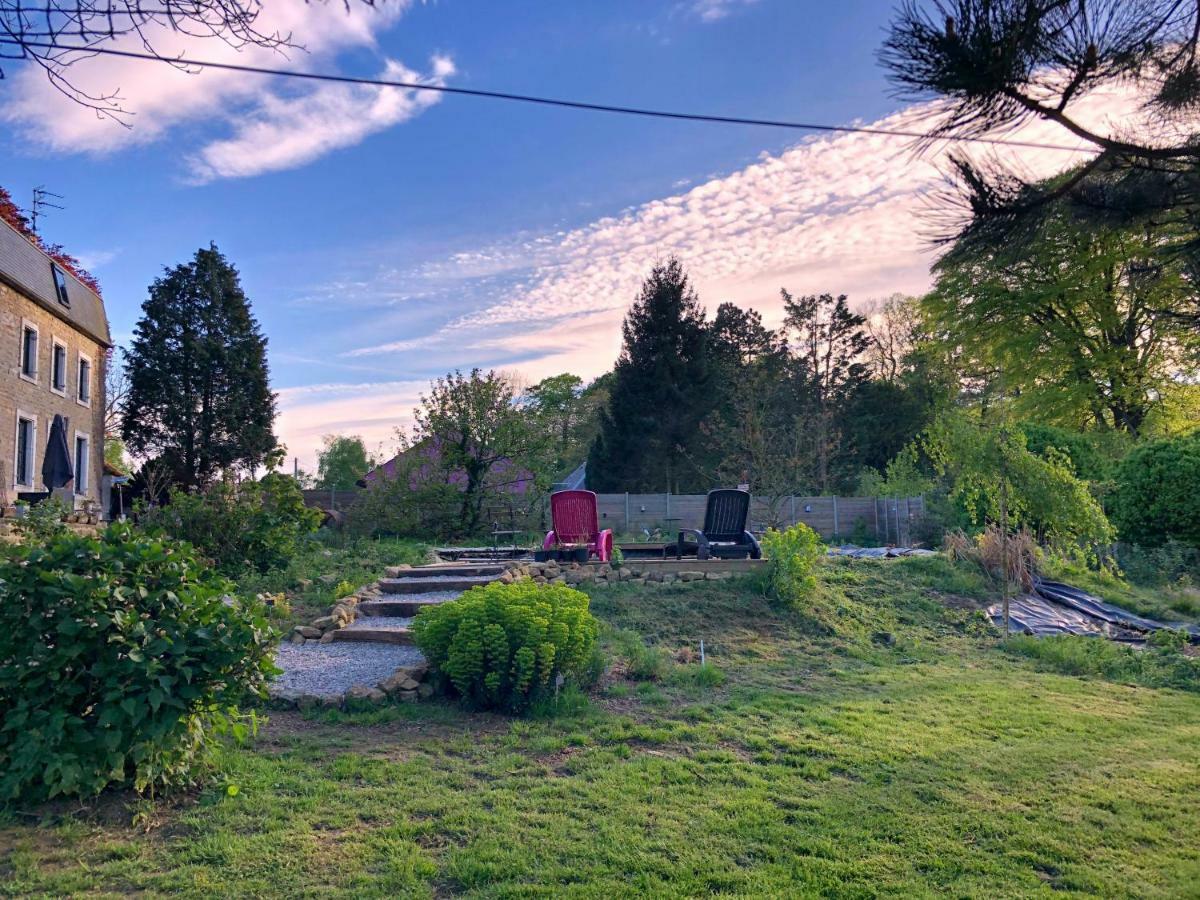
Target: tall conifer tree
(199, 398)
(660, 392)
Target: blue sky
(385, 238)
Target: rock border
(406, 684)
(553, 572)
(343, 612)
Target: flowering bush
(500, 645)
(119, 657)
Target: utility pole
(40, 203)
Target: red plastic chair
(575, 518)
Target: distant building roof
(27, 268)
(575, 481)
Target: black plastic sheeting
(878, 552)
(1056, 608)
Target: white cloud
(161, 98)
(286, 132)
(714, 10)
(841, 214)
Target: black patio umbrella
(56, 467)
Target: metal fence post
(627, 512)
(836, 530)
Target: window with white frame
(29, 351)
(26, 444)
(58, 367)
(82, 462)
(85, 380)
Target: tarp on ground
(1057, 608)
(878, 552)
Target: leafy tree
(564, 414)
(738, 338)
(1086, 324)
(472, 431)
(341, 462)
(983, 465)
(1157, 486)
(198, 398)
(660, 391)
(114, 454)
(999, 63)
(828, 343)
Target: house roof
(26, 268)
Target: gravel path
(421, 597)
(324, 670)
(379, 622)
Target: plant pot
(574, 555)
(542, 555)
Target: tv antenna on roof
(40, 203)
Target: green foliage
(1157, 494)
(791, 555)
(1160, 664)
(44, 521)
(114, 453)
(1088, 460)
(1172, 563)
(501, 645)
(1083, 327)
(252, 525)
(341, 462)
(119, 658)
(659, 390)
(642, 662)
(471, 437)
(978, 464)
(199, 398)
(617, 558)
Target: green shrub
(1157, 486)
(1173, 563)
(642, 662)
(791, 555)
(499, 646)
(1160, 664)
(119, 657)
(44, 521)
(253, 525)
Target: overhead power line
(544, 101)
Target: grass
(807, 757)
(353, 562)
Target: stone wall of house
(36, 399)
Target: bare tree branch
(56, 34)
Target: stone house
(54, 344)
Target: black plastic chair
(724, 534)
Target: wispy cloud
(839, 214)
(715, 10)
(267, 121)
(286, 132)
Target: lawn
(881, 744)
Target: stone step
(374, 635)
(409, 608)
(466, 571)
(433, 583)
